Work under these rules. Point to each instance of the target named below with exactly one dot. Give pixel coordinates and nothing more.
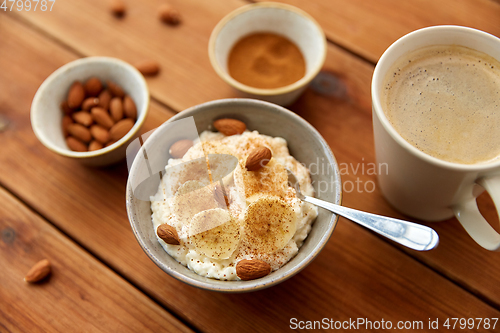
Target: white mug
(420, 185)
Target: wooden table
(52, 207)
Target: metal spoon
(413, 235)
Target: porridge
(225, 209)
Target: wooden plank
(187, 77)
(182, 51)
(81, 294)
(357, 275)
(369, 27)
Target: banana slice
(191, 198)
(269, 225)
(214, 233)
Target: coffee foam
(445, 101)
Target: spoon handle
(412, 235)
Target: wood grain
(367, 28)
(357, 275)
(80, 295)
(182, 51)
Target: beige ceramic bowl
(304, 143)
(46, 114)
(281, 19)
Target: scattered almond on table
(96, 115)
(39, 271)
(117, 7)
(169, 14)
(148, 67)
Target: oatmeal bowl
(209, 201)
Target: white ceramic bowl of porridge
(305, 144)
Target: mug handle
(474, 223)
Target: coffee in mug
(445, 101)
(436, 123)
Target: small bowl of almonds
(90, 109)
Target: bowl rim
(236, 286)
(46, 84)
(260, 91)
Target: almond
(117, 7)
(168, 234)
(89, 103)
(129, 107)
(104, 99)
(258, 158)
(95, 145)
(65, 107)
(65, 123)
(169, 15)
(116, 108)
(39, 271)
(75, 144)
(115, 89)
(109, 143)
(99, 133)
(220, 196)
(252, 269)
(80, 132)
(93, 87)
(76, 95)
(148, 67)
(121, 128)
(83, 117)
(102, 117)
(179, 148)
(229, 126)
